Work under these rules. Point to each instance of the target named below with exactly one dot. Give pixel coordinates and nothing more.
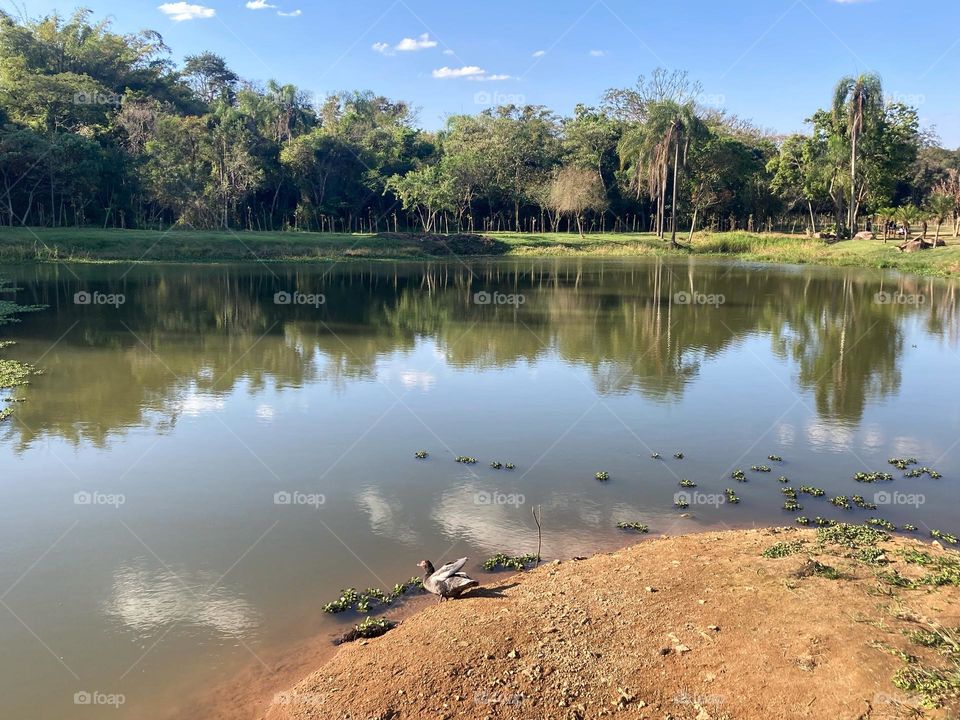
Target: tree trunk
(813, 220)
(673, 202)
(853, 183)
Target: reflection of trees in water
(198, 332)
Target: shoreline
(704, 625)
(86, 246)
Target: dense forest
(104, 129)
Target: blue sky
(773, 61)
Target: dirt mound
(455, 244)
(698, 626)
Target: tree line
(103, 129)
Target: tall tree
(857, 106)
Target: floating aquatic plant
(509, 562)
(823, 522)
(681, 503)
(509, 466)
(351, 598)
(789, 492)
(918, 472)
(602, 475)
(687, 483)
(792, 505)
(496, 464)
(678, 455)
(369, 628)
(810, 490)
(731, 496)
(881, 523)
(783, 479)
(465, 459)
(861, 503)
(739, 475)
(639, 527)
(841, 501)
(775, 458)
(946, 537)
(655, 456)
(872, 477)
(802, 520)
(421, 454)
(907, 527)
(902, 463)
(761, 468)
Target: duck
(447, 582)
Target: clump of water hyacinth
(792, 505)
(681, 503)
(810, 490)
(783, 479)
(602, 475)
(465, 459)
(678, 455)
(639, 527)
(655, 456)
(509, 466)
(917, 472)
(369, 628)
(775, 458)
(841, 501)
(907, 527)
(946, 537)
(861, 503)
(496, 464)
(789, 492)
(509, 562)
(823, 522)
(687, 483)
(353, 599)
(421, 454)
(739, 475)
(802, 520)
(872, 477)
(881, 523)
(731, 496)
(902, 463)
(761, 468)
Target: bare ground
(698, 626)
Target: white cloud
(460, 72)
(423, 42)
(180, 11)
(259, 5)
(491, 77)
(380, 47)
(448, 51)
(294, 13)
(540, 53)
(597, 53)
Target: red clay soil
(697, 626)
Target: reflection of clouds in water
(873, 438)
(193, 403)
(824, 436)
(265, 412)
(786, 434)
(417, 379)
(907, 446)
(510, 528)
(383, 517)
(146, 600)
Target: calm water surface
(144, 550)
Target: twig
(539, 530)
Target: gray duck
(447, 582)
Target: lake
(213, 451)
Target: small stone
(715, 628)
(682, 648)
(650, 589)
(513, 654)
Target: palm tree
(940, 206)
(885, 215)
(659, 147)
(908, 215)
(857, 102)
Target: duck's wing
(449, 569)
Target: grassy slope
(18, 244)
